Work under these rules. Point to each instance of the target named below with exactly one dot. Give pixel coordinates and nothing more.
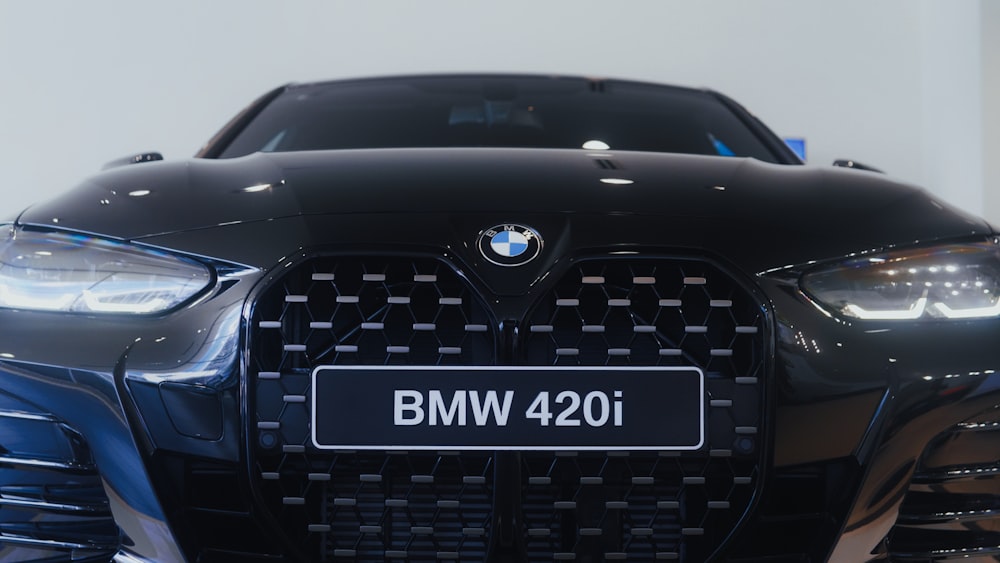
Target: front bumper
(867, 438)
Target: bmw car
(497, 318)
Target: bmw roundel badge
(509, 244)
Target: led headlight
(954, 281)
(52, 271)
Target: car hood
(712, 203)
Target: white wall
(990, 36)
(894, 83)
(951, 96)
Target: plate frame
(397, 447)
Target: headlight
(51, 271)
(954, 281)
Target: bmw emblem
(509, 244)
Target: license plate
(506, 408)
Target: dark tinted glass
(498, 112)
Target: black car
(497, 318)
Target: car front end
(497, 354)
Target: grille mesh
(649, 313)
(366, 311)
(442, 505)
(407, 506)
(665, 505)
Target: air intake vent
(607, 164)
(952, 510)
(52, 502)
(598, 86)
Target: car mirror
(847, 163)
(133, 159)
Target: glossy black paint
(852, 405)
(696, 202)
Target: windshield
(493, 111)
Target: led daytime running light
(63, 272)
(954, 281)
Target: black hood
(767, 215)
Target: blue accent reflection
(798, 146)
(720, 148)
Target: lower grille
(627, 505)
(377, 505)
(952, 511)
(407, 505)
(52, 502)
